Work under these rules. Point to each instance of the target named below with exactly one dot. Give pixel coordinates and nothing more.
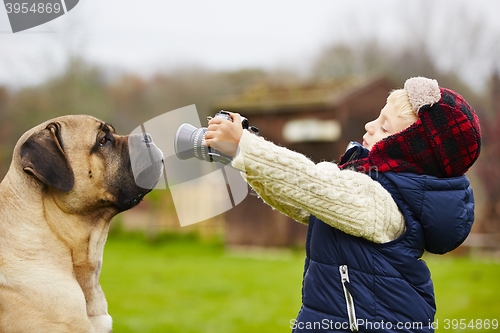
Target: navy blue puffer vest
(352, 284)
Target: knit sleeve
(291, 183)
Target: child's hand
(224, 135)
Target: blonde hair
(401, 102)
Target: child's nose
(369, 126)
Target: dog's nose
(147, 138)
(146, 160)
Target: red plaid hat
(444, 141)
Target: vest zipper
(351, 312)
(354, 154)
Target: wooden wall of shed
(254, 223)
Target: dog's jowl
(68, 177)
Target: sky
(162, 35)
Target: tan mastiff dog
(69, 176)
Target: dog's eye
(104, 141)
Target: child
(371, 218)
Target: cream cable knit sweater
(291, 183)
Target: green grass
(466, 289)
(180, 284)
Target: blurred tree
(487, 168)
(422, 38)
(135, 100)
(5, 129)
(80, 89)
(129, 103)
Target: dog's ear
(43, 156)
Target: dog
(68, 177)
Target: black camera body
(188, 141)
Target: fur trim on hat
(422, 91)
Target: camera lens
(188, 143)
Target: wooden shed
(317, 119)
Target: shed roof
(265, 96)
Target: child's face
(387, 123)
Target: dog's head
(85, 165)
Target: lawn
(181, 284)
(466, 290)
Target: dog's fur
(68, 177)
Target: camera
(188, 141)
